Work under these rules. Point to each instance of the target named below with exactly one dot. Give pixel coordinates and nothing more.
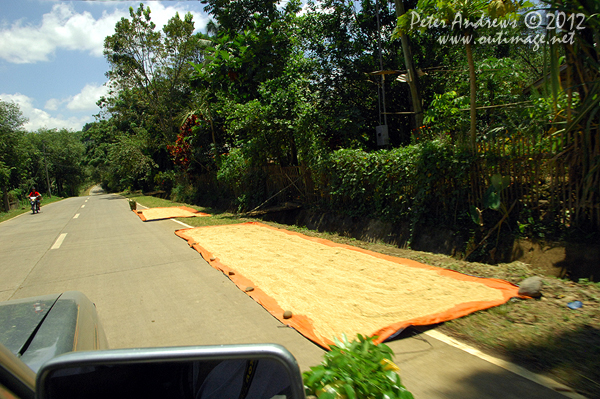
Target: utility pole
(411, 72)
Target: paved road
(151, 289)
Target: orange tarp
(502, 290)
(168, 213)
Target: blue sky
(51, 61)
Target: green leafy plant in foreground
(357, 369)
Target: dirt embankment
(553, 259)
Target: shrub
(247, 183)
(165, 180)
(423, 182)
(357, 369)
(183, 192)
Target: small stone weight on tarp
(287, 314)
(531, 286)
(248, 289)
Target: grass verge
(544, 334)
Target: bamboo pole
(531, 175)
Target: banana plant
(492, 200)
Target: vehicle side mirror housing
(240, 371)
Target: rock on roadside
(531, 286)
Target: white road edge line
(76, 215)
(183, 224)
(59, 241)
(518, 370)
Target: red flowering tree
(181, 151)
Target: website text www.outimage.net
(562, 27)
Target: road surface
(152, 290)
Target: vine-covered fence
(545, 177)
(550, 176)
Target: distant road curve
(97, 190)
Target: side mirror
(233, 371)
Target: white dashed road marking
(59, 241)
(83, 206)
(76, 216)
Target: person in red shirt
(37, 196)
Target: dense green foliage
(33, 159)
(408, 183)
(12, 154)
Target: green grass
(25, 207)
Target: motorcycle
(35, 204)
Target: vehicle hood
(40, 328)
(20, 320)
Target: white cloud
(63, 28)
(53, 104)
(85, 100)
(42, 119)
(88, 97)
(161, 15)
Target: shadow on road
(112, 197)
(97, 190)
(575, 354)
(492, 385)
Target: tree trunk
(5, 199)
(412, 73)
(473, 87)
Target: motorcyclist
(37, 196)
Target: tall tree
(235, 16)
(11, 136)
(413, 78)
(250, 51)
(153, 64)
(341, 37)
(462, 14)
(61, 151)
